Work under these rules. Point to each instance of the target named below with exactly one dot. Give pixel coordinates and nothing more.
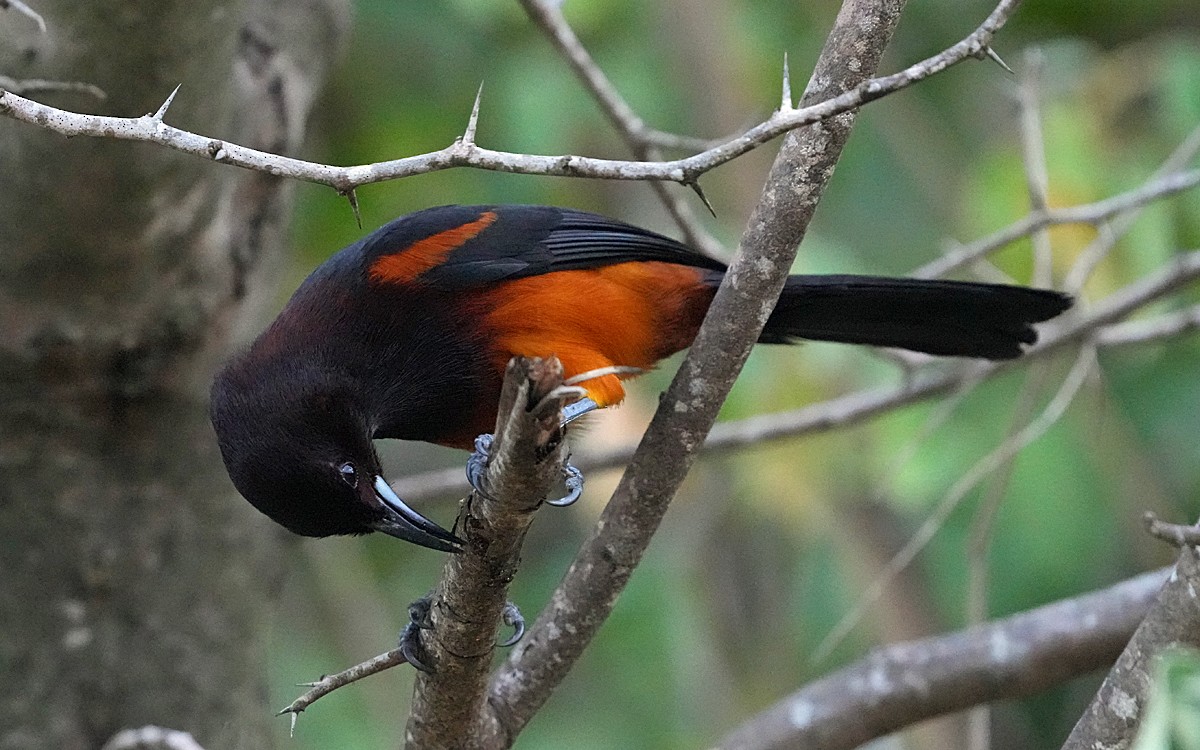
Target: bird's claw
(577, 409)
(410, 637)
(573, 479)
(477, 464)
(512, 617)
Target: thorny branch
(330, 682)
(465, 153)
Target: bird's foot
(477, 470)
(573, 479)
(512, 617)
(410, 638)
(477, 464)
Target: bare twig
(979, 540)
(41, 86)
(1091, 213)
(954, 497)
(1113, 229)
(458, 154)
(1151, 330)
(641, 139)
(26, 11)
(524, 462)
(1033, 156)
(688, 409)
(1112, 719)
(1172, 533)
(328, 683)
(904, 683)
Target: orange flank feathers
(628, 314)
(425, 254)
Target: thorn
(163, 109)
(292, 728)
(695, 185)
(353, 198)
(785, 104)
(468, 137)
(991, 53)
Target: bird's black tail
(949, 318)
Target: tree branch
(524, 462)
(330, 682)
(688, 409)
(26, 11)
(904, 683)
(462, 153)
(1035, 221)
(1112, 719)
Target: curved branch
(904, 683)
(463, 153)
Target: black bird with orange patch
(406, 334)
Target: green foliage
(1172, 718)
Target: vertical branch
(525, 460)
(688, 409)
(1112, 719)
(979, 542)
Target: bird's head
(298, 446)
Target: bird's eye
(349, 475)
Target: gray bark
(135, 581)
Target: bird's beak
(403, 522)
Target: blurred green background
(765, 550)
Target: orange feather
(419, 257)
(627, 314)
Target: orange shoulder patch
(407, 264)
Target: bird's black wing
(514, 242)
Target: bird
(406, 334)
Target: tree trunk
(135, 581)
